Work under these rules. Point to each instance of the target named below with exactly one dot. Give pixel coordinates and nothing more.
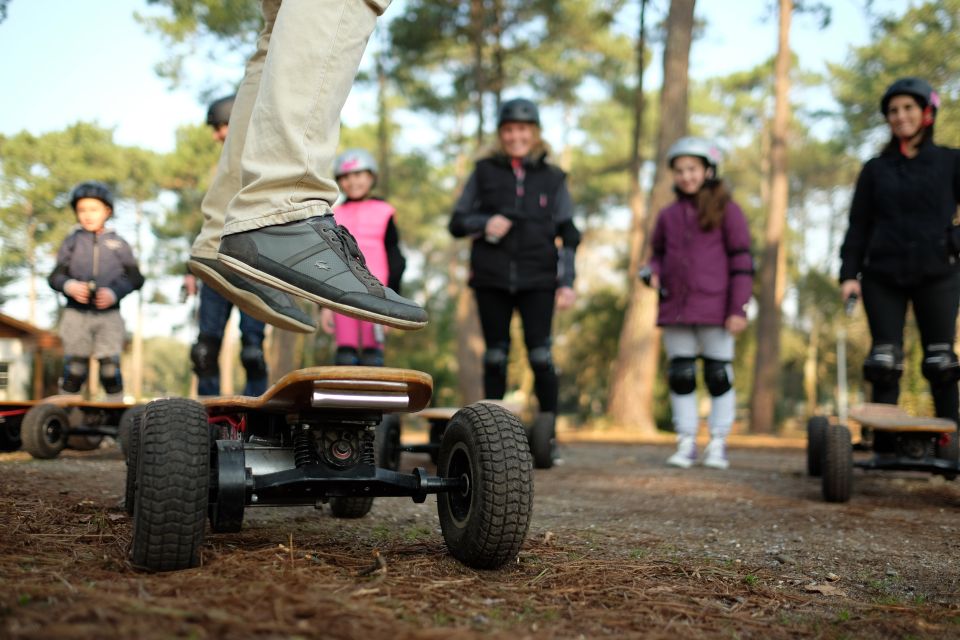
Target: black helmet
(518, 110)
(219, 112)
(916, 87)
(91, 189)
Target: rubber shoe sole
(249, 302)
(252, 273)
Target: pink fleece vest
(367, 220)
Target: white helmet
(354, 160)
(696, 147)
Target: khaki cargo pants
(276, 164)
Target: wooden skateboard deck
(387, 389)
(447, 413)
(888, 417)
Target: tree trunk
(470, 345)
(136, 364)
(635, 370)
(383, 128)
(477, 12)
(772, 266)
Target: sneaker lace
(352, 249)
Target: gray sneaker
(319, 260)
(263, 303)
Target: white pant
(277, 160)
(690, 341)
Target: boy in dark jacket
(95, 269)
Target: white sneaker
(686, 453)
(715, 455)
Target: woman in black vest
(901, 247)
(514, 207)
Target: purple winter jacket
(705, 276)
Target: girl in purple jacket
(702, 267)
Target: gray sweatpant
(93, 334)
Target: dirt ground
(620, 546)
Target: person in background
(514, 207)
(701, 266)
(95, 270)
(901, 247)
(370, 221)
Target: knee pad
(205, 355)
(110, 376)
(884, 364)
(346, 356)
(495, 359)
(540, 359)
(251, 357)
(940, 365)
(716, 377)
(75, 372)
(682, 375)
(372, 358)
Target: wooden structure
(21, 354)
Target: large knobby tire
(173, 485)
(125, 424)
(10, 434)
(950, 450)
(350, 507)
(388, 442)
(543, 440)
(130, 435)
(837, 464)
(816, 438)
(484, 524)
(437, 427)
(44, 431)
(84, 442)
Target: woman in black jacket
(514, 206)
(900, 247)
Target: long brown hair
(711, 201)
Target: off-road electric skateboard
(898, 440)
(46, 427)
(311, 439)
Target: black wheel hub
(460, 467)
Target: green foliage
(187, 172)
(37, 174)
(224, 30)
(909, 45)
(166, 368)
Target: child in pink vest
(370, 221)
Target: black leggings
(495, 307)
(935, 305)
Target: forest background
(433, 78)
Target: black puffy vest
(526, 258)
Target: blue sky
(69, 60)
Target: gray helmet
(518, 110)
(916, 87)
(353, 160)
(91, 189)
(219, 112)
(696, 147)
